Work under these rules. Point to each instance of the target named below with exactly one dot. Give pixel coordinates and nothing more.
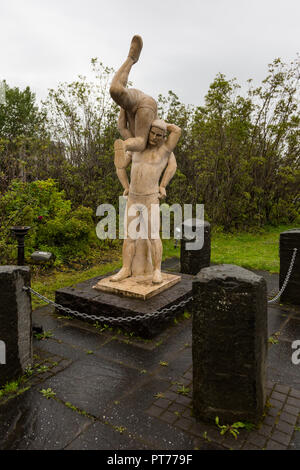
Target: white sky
(186, 43)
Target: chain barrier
(146, 316)
(102, 318)
(287, 278)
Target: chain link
(102, 318)
(146, 316)
(287, 278)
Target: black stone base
(84, 299)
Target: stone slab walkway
(94, 388)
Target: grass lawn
(257, 250)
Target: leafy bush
(55, 226)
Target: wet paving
(95, 388)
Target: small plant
(120, 429)
(159, 395)
(42, 369)
(233, 429)
(29, 371)
(44, 335)
(48, 393)
(205, 436)
(89, 352)
(183, 390)
(163, 363)
(74, 408)
(143, 371)
(10, 387)
(273, 340)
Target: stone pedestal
(229, 344)
(15, 322)
(85, 299)
(288, 241)
(193, 260)
(139, 287)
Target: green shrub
(54, 225)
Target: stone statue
(138, 110)
(149, 150)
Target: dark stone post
(193, 260)
(288, 241)
(20, 233)
(229, 344)
(15, 322)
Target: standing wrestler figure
(138, 110)
(145, 190)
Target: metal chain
(146, 316)
(287, 278)
(109, 319)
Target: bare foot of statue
(135, 48)
(157, 277)
(122, 274)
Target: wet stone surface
(84, 299)
(116, 391)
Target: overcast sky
(186, 43)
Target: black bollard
(20, 232)
(15, 323)
(290, 240)
(192, 257)
(229, 344)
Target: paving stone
(184, 423)
(257, 439)
(249, 446)
(183, 400)
(273, 411)
(131, 413)
(291, 410)
(278, 396)
(155, 411)
(168, 417)
(283, 426)
(162, 403)
(91, 383)
(101, 436)
(265, 430)
(276, 404)
(177, 407)
(293, 402)
(282, 388)
(281, 437)
(273, 445)
(30, 422)
(170, 395)
(295, 393)
(269, 420)
(231, 443)
(288, 418)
